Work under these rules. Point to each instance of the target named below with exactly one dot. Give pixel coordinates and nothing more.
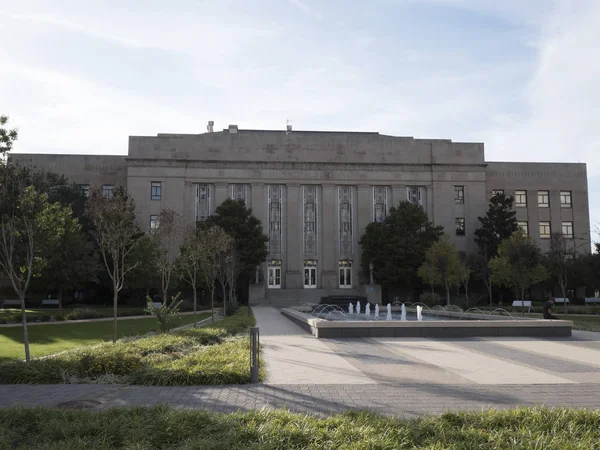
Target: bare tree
(465, 272)
(482, 271)
(190, 263)
(232, 274)
(560, 260)
(117, 235)
(169, 236)
(213, 242)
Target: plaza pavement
(404, 377)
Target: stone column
(429, 205)
(398, 194)
(293, 276)
(364, 216)
(329, 238)
(220, 194)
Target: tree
(249, 241)
(560, 260)
(464, 277)
(72, 265)
(498, 224)
(117, 236)
(30, 230)
(7, 137)
(481, 268)
(213, 242)
(169, 235)
(442, 265)
(397, 246)
(145, 275)
(191, 260)
(519, 263)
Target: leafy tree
(397, 246)
(168, 236)
(7, 137)
(498, 224)
(72, 265)
(191, 259)
(442, 265)
(250, 243)
(560, 260)
(30, 231)
(117, 236)
(519, 263)
(145, 275)
(213, 243)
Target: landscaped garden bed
(164, 427)
(214, 354)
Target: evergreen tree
(498, 224)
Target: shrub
(430, 299)
(83, 313)
(167, 315)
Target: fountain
(377, 311)
(403, 315)
(389, 312)
(368, 310)
(358, 307)
(419, 313)
(350, 308)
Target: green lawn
(54, 338)
(13, 314)
(166, 428)
(586, 323)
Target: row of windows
(546, 229)
(543, 198)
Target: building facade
(315, 192)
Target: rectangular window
(521, 199)
(309, 194)
(565, 199)
(459, 195)
(156, 190)
(545, 230)
(460, 226)
(153, 222)
(543, 199)
(567, 229)
(202, 202)
(380, 203)
(345, 220)
(497, 192)
(107, 190)
(524, 226)
(85, 189)
(413, 195)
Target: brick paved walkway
(404, 377)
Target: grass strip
(164, 427)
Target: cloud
(307, 9)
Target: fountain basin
(440, 328)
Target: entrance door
(310, 277)
(345, 271)
(274, 277)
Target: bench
(11, 302)
(50, 302)
(522, 304)
(155, 304)
(589, 301)
(561, 300)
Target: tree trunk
(195, 301)
(224, 291)
(212, 303)
(60, 296)
(115, 298)
(562, 288)
(447, 295)
(490, 294)
(522, 300)
(467, 295)
(25, 330)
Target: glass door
(345, 271)
(310, 275)
(274, 277)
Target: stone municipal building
(315, 192)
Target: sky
(521, 76)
